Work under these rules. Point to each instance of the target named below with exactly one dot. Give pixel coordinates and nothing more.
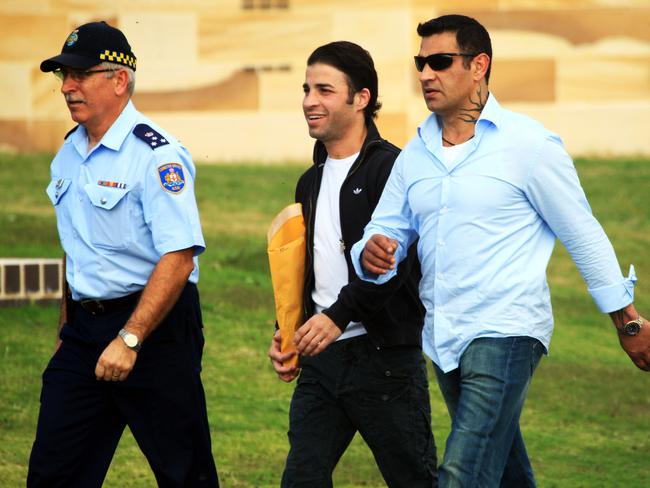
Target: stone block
(239, 92)
(524, 80)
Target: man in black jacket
(361, 359)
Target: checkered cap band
(119, 58)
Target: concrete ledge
(30, 279)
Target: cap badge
(72, 38)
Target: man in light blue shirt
(130, 342)
(487, 192)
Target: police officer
(130, 342)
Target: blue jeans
(485, 396)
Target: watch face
(631, 328)
(130, 340)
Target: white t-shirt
(451, 153)
(330, 267)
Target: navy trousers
(162, 401)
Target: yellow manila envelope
(286, 249)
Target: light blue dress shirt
(487, 226)
(116, 212)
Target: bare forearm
(165, 285)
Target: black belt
(101, 307)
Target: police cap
(90, 45)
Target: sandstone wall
(225, 76)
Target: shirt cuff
(355, 255)
(615, 297)
(197, 243)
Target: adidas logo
(356, 191)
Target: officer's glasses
(77, 75)
(438, 61)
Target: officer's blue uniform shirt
(123, 205)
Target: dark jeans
(162, 401)
(381, 393)
(485, 396)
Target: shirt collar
(492, 112)
(79, 139)
(430, 130)
(114, 136)
(121, 128)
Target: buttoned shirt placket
(442, 325)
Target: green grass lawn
(586, 420)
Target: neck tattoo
(473, 112)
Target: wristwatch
(632, 328)
(131, 340)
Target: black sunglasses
(438, 61)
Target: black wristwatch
(632, 328)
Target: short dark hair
(471, 36)
(357, 66)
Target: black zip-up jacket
(392, 312)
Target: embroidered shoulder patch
(150, 136)
(172, 178)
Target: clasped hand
(310, 339)
(378, 255)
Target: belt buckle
(94, 307)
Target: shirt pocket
(56, 189)
(108, 218)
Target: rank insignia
(150, 136)
(172, 178)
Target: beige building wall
(225, 76)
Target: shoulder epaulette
(150, 136)
(70, 132)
